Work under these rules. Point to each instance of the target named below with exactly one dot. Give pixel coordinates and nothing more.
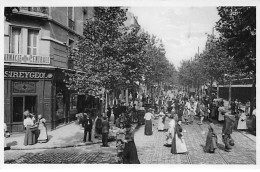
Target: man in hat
(87, 124)
(105, 131)
(229, 121)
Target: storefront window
(73, 101)
(59, 106)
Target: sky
(182, 29)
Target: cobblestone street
(150, 150)
(74, 155)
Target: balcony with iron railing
(42, 11)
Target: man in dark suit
(105, 131)
(87, 124)
(108, 112)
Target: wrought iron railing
(44, 10)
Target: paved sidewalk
(65, 136)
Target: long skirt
(166, 123)
(148, 127)
(220, 117)
(241, 125)
(160, 124)
(130, 154)
(43, 137)
(30, 136)
(211, 143)
(178, 145)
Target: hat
(241, 110)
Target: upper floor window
(32, 42)
(16, 40)
(24, 41)
(71, 22)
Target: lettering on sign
(31, 75)
(24, 87)
(24, 58)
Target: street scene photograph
(129, 84)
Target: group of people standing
(174, 136)
(184, 110)
(35, 131)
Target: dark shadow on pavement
(49, 137)
(13, 143)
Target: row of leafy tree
(112, 55)
(231, 55)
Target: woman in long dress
(148, 123)
(43, 137)
(211, 141)
(170, 133)
(130, 155)
(242, 121)
(221, 111)
(178, 142)
(30, 137)
(161, 120)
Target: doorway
(22, 103)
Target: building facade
(36, 44)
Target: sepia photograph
(129, 84)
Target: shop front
(27, 89)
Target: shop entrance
(22, 103)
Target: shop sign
(30, 75)
(24, 87)
(24, 58)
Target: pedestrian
(130, 155)
(98, 126)
(221, 111)
(161, 120)
(202, 112)
(186, 115)
(178, 142)
(170, 132)
(105, 131)
(30, 136)
(43, 136)
(116, 112)
(120, 137)
(148, 129)
(229, 121)
(211, 141)
(108, 112)
(254, 119)
(87, 125)
(242, 120)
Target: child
(120, 137)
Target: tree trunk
(210, 89)
(217, 90)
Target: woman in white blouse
(161, 120)
(148, 123)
